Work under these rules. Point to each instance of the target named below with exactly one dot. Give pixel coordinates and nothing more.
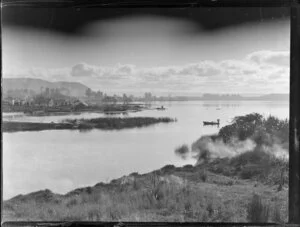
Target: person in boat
(160, 108)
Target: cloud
(125, 69)
(83, 70)
(248, 72)
(279, 58)
(257, 72)
(45, 73)
(279, 74)
(202, 69)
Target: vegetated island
(107, 123)
(74, 108)
(248, 185)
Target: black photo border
(294, 131)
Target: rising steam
(206, 147)
(251, 132)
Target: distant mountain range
(36, 85)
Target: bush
(242, 127)
(167, 169)
(93, 215)
(155, 187)
(182, 151)
(89, 190)
(71, 203)
(264, 131)
(203, 175)
(250, 171)
(257, 211)
(8, 206)
(276, 215)
(188, 167)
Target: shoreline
(153, 192)
(225, 189)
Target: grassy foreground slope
(244, 186)
(174, 194)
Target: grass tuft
(257, 210)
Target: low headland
(106, 123)
(240, 175)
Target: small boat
(212, 122)
(161, 108)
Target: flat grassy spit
(106, 123)
(249, 184)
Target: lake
(64, 160)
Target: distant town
(34, 95)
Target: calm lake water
(64, 160)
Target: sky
(178, 51)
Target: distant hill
(267, 97)
(36, 85)
(274, 97)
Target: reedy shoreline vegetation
(247, 186)
(107, 123)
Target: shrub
(242, 127)
(135, 185)
(230, 183)
(71, 203)
(210, 208)
(93, 215)
(203, 175)
(188, 167)
(155, 187)
(8, 206)
(264, 131)
(257, 211)
(89, 190)
(250, 171)
(167, 169)
(182, 150)
(276, 215)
